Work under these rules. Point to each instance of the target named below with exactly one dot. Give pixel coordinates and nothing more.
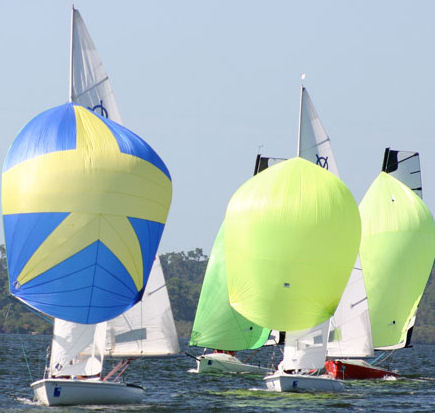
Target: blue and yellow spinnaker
(85, 202)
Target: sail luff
(71, 61)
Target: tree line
(184, 273)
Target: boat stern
(283, 382)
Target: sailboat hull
(356, 370)
(60, 392)
(283, 382)
(225, 363)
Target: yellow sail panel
(292, 233)
(95, 177)
(397, 254)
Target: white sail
(305, 350)
(314, 144)
(148, 328)
(90, 85)
(77, 349)
(350, 332)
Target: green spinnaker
(397, 253)
(292, 234)
(217, 325)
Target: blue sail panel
(24, 233)
(51, 131)
(130, 143)
(82, 288)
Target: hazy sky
(205, 83)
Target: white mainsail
(148, 328)
(350, 331)
(77, 349)
(314, 144)
(89, 83)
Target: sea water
(170, 387)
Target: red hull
(356, 370)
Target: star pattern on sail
(103, 214)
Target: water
(171, 388)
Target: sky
(208, 83)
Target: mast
(300, 116)
(71, 56)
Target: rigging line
(26, 359)
(7, 311)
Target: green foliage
(14, 316)
(184, 273)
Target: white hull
(56, 392)
(283, 382)
(225, 363)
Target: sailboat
(397, 251)
(350, 330)
(291, 237)
(218, 326)
(53, 251)
(79, 196)
(147, 329)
